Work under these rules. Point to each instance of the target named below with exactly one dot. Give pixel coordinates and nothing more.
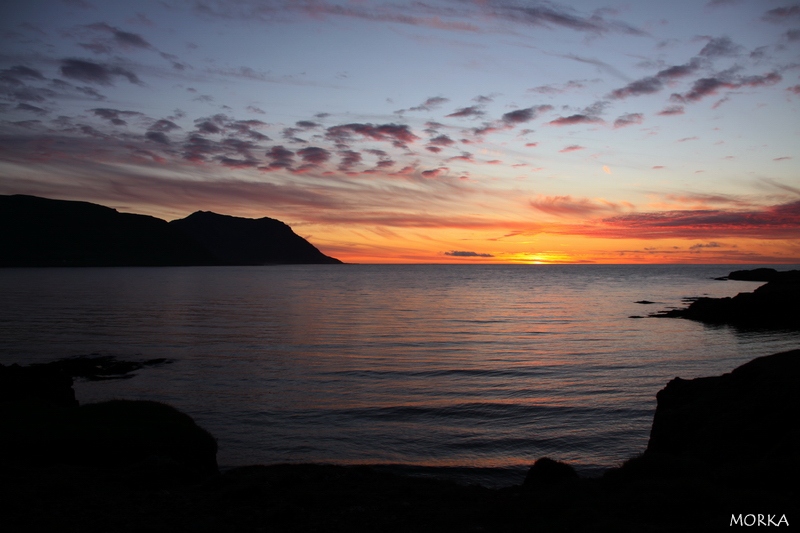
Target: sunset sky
(433, 131)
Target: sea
(466, 372)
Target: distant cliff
(42, 232)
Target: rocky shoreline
(719, 447)
(771, 306)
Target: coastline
(696, 473)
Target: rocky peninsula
(721, 449)
(772, 305)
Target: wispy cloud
(772, 222)
(572, 148)
(568, 206)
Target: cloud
(398, 134)
(434, 173)
(471, 111)
(709, 86)
(773, 222)
(671, 110)
(647, 85)
(576, 119)
(281, 158)
(679, 71)
(349, 159)
(629, 119)
(121, 38)
(12, 75)
(572, 148)
(557, 89)
(442, 140)
(314, 155)
(465, 157)
(208, 126)
(782, 14)
(197, 148)
(431, 15)
(712, 244)
(519, 116)
(460, 253)
(237, 163)
(430, 103)
(653, 84)
(164, 125)
(305, 124)
(113, 115)
(549, 15)
(91, 72)
(158, 137)
(601, 65)
(31, 109)
(720, 47)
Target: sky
(439, 131)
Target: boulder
(115, 434)
(547, 472)
(39, 383)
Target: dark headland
(774, 305)
(40, 232)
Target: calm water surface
(467, 371)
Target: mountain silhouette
(43, 232)
(248, 241)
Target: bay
(467, 371)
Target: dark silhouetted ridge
(40, 232)
(247, 241)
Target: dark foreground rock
(41, 423)
(114, 434)
(742, 427)
(774, 305)
(715, 448)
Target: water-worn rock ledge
(720, 447)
